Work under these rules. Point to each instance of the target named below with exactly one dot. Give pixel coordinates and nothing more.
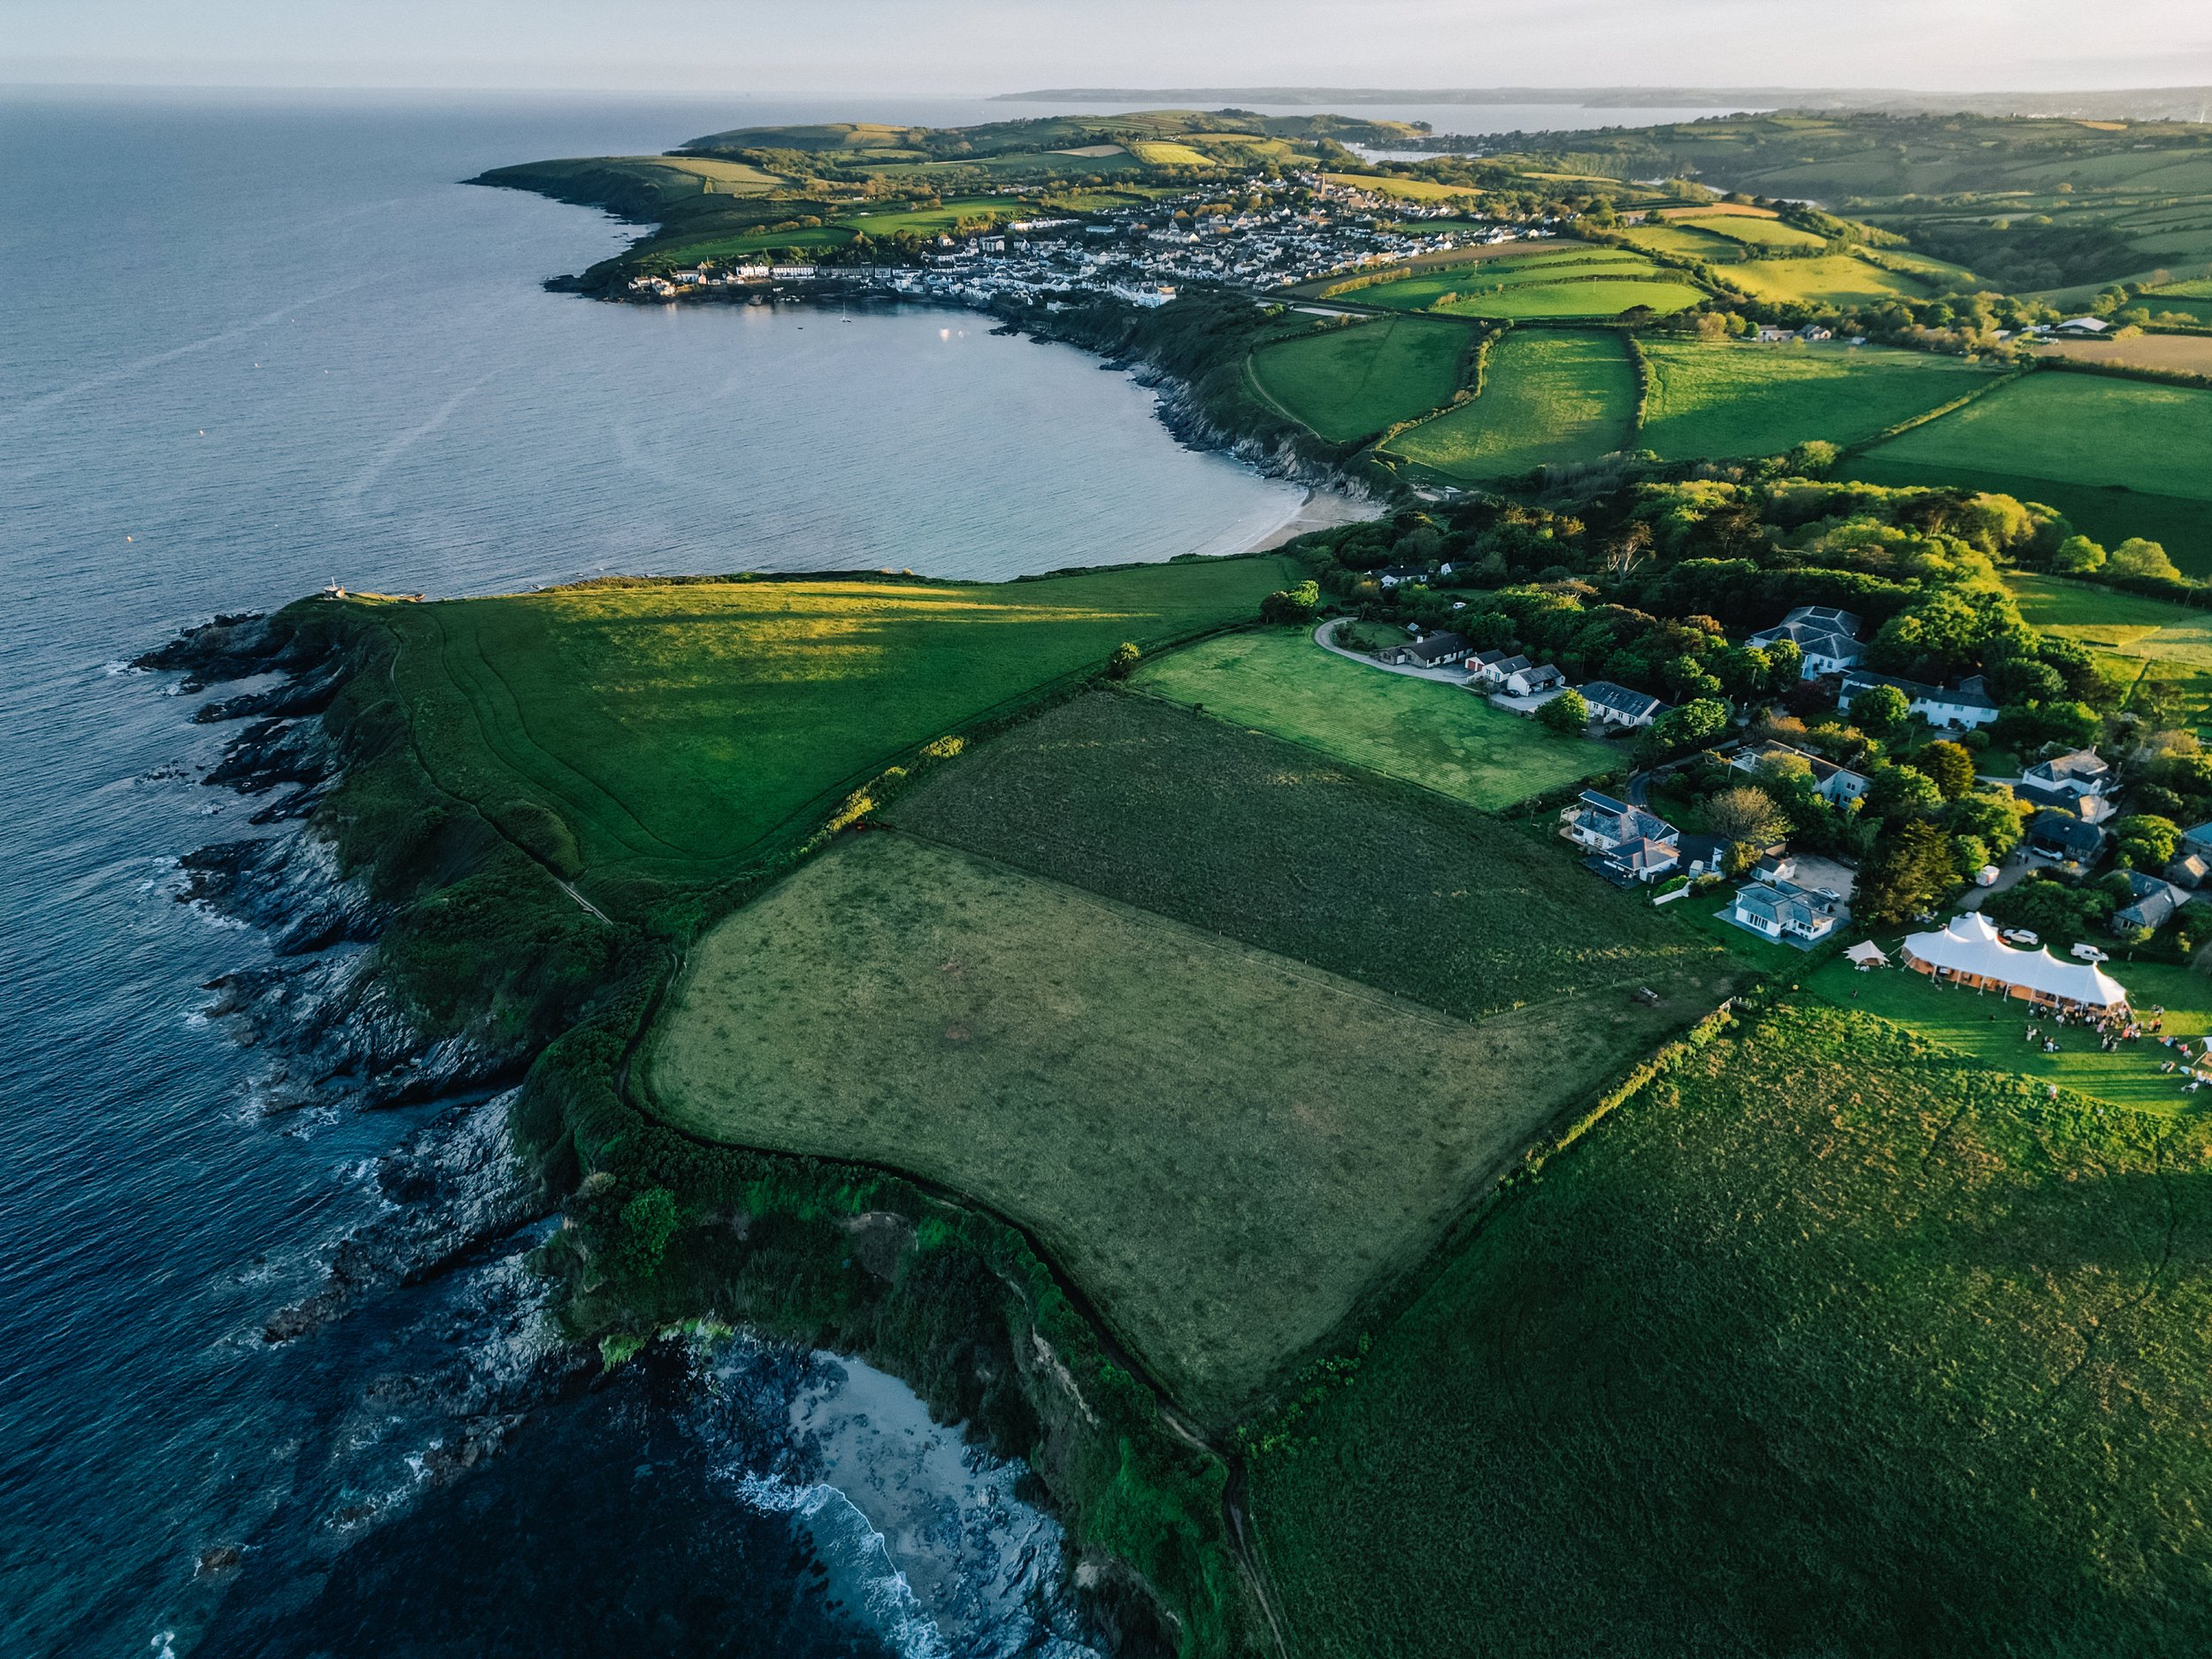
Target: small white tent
(1968, 950)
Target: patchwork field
(1739, 399)
(1346, 383)
(1548, 398)
(1757, 230)
(1685, 241)
(1437, 735)
(1263, 840)
(2099, 435)
(1225, 1147)
(1826, 1341)
(680, 727)
(1832, 279)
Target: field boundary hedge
(1639, 367)
(2127, 372)
(1994, 383)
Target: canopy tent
(1969, 948)
(1867, 954)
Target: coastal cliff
(427, 950)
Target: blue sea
(250, 345)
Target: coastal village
(1141, 252)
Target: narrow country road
(1447, 676)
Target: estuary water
(252, 345)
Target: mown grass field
(1740, 399)
(1346, 383)
(1961, 1019)
(1265, 841)
(681, 727)
(1825, 1342)
(1757, 230)
(1685, 241)
(1225, 1147)
(1833, 278)
(1597, 296)
(1424, 731)
(2155, 646)
(1548, 397)
(2120, 457)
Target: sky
(969, 47)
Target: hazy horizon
(981, 47)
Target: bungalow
(1814, 331)
(1439, 650)
(1637, 861)
(2065, 780)
(1491, 668)
(2063, 836)
(1782, 909)
(1617, 705)
(1402, 575)
(1769, 335)
(2155, 902)
(1969, 705)
(1836, 784)
(1532, 680)
(1828, 638)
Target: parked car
(2090, 953)
(2022, 936)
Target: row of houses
(1512, 675)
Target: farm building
(1968, 952)
(1970, 705)
(1828, 638)
(1437, 650)
(1836, 784)
(1782, 909)
(1617, 705)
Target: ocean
(253, 344)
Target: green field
(1600, 296)
(1961, 1019)
(1757, 231)
(2160, 647)
(1422, 291)
(1262, 839)
(1346, 383)
(1548, 397)
(1739, 399)
(2120, 457)
(1683, 241)
(1830, 279)
(1825, 1342)
(1225, 1147)
(1437, 735)
(676, 727)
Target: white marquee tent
(1968, 949)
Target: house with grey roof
(1969, 705)
(2155, 902)
(1628, 844)
(1828, 638)
(1533, 679)
(1836, 784)
(2079, 783)
(1781, 909)
(1437, 650)
(1617, 705)
(2065, 837)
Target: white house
(1828, 638)
(1617, 705)
(1836, 784)
(2069, 778)
(1527, 682)
(1439, 650)
(1969, 705)
(1493, 668)
(1782, 909)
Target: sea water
(252, 345)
